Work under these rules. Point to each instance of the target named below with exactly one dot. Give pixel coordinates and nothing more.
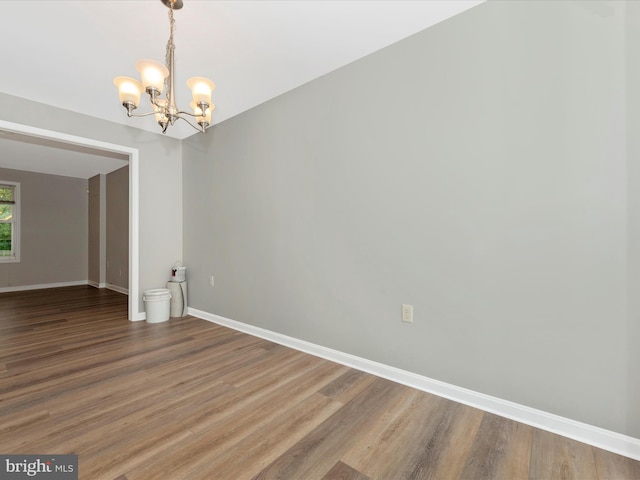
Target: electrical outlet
(211, 280)
(407, 313)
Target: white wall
(478, 171)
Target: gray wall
(477, 171)
(632, 44)
(117, 241)
(160, 172)
(53, 230)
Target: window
(9, 221)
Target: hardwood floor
(189, 399)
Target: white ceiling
(34, 154)
(65, 53)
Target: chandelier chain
(170, 46)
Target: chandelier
(157, 78)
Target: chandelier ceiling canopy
(157, 78)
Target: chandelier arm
(199, 129)
(180, 112)
(141, 114)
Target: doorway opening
(134, 188)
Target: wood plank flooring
(188, 399)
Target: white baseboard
(582, 432)
(40, 286)
(93, 284)
(116, 288)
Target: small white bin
(156, 304)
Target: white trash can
(156, 304)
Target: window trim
(15, 258)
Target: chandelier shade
(201, 89)
(158, 79)
(197, 111)
(129, 90)
(159, 109)
(152, 74)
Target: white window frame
(15, 220)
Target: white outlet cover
(407, 313)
